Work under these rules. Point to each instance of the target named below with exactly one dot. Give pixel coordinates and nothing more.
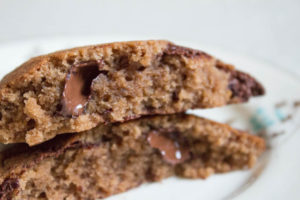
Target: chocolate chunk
(8, 186)
(171, 151)
(242, 85)
(78, 87)
(173, 49)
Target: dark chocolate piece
(242, 85)
(171, 151)
(173, 49)
(78, 87)
(7, 188)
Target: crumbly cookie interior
(111, 159)
(134, 79)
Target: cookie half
(75, 90)
(110, 159)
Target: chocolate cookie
(75, 90)
(113, 158)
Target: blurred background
(265, 29)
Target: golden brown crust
(114, 158)
(35, 63)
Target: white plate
(276, 175)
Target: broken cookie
(75, 90)
(113, 158)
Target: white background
(266, 29)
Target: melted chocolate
(78, 87)
(171, 151)
(242, 85)
(8, 186)
(173, 49)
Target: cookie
(114, 158)
(75, 90)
